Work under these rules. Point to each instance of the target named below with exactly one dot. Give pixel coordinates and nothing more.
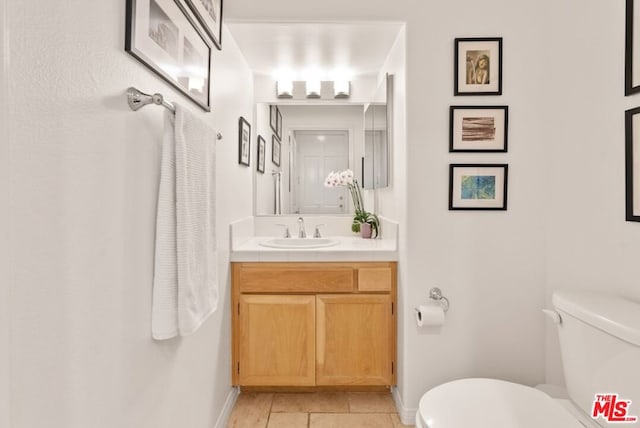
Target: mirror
(377, 140)
(316, 139)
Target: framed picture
(244, 141)
(209, 14)
(162, 35)
(632, 44)
(262, 152)
(273, 118)
(478, 66)
(632, 158)
(478, 128)
(478, 186)
(279, 123)
(275, 150)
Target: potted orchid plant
(345, 179)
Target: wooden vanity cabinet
(314, 324)
(276, 340)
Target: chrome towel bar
(138, 99)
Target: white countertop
(349, 248)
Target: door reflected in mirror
(318, 153)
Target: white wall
(490, 264)
(5, 409)
(590, 244)
(84, 173)
(391, 201)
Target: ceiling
(322, 48)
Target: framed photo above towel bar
(209, 14)
(163, 36)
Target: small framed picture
(209, 14)
(275, 150)
(273, 118)
(478, 66)
(262, 152)
(478, 186)
(244, 141)
(632, 45)
(478, 128)
(279, 123)
(632, 163)
(162, 35)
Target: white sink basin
(302, 243)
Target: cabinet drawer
(287, 278)
(375, 278)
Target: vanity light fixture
(313, 88)
(341, 88)
(284, 88)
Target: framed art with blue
(478, 186)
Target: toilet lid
(491, 403)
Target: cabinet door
(277, 340)
(354, 340)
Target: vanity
(322, 317)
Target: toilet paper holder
(436, 294)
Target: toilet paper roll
(430, 315)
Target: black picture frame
(275, 150)
(465, 193)
(631, 73)
(475, 71)
(632, 165)
(160, 53)
(478, 129)
(209, 15)
(273, 118)
(262, 153)
(244, 142)
(279, 123)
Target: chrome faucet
(301, 232)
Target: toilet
(600, 345)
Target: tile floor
(315, 410)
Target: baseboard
(227, 408)
(407, 416)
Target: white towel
(185, 283)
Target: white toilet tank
(600, 345)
